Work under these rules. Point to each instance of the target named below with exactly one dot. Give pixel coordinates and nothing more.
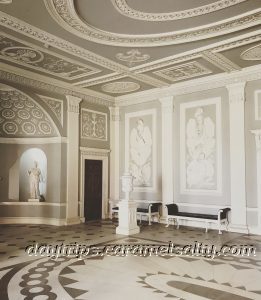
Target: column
(167, 152)
(257, 134)
(72, 213)
(236, 92)
(115, 153)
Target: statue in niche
(200, 144)
(140, 154)
(35, 176)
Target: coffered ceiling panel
(116, 47)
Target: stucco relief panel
(140, 148)
(14, 50)
(93, 125)
(201, 147)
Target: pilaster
(257, 134)
(72, 211)
(167, 151)
(236, 92)
(115, 153)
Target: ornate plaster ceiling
(114, 47)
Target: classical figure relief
(141, 154)
(200, 151)
(94, 125)
(35, 176)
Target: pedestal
(127, 218)
(34, 200)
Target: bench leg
(177, 223)
(167, 222)
(149, 219)
(219, 228)
(206, 227)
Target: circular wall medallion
(23, 114)
(10, 128)
(8, 113)
(120, 87)
(45, 127)
(29, 128)
(37, 113)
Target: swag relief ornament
(93, 125)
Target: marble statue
(141, 154)
(34, 180)
(201, 145)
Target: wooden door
(93, 190)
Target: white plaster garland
(123, 8)
(132, 57)
(64, 13)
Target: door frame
(95, 154)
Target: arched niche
(27, 161)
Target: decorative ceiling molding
(191, 86)
(184, 71)
(120, 87)
(64, 13)
(124, 9)
(196, 53)
(39, 59)
(132, 57)
(253, 53)
(27, 78)
(220, 61)
(22, 27)
(101, 79)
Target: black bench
(220, 218)
(149, 210)
(144, 209)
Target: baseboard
(254, 230)
(32, 220)
(239, 228)
(72, 221)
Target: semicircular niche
(21, 116)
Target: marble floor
(100, 277)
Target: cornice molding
(123, 8)
(220, 61)
(191, 86)
(27, 78)
(33, 141)
(64, 13)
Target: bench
(220, 218)
(148, 210)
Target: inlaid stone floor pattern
(98, 277)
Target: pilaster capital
(73, 103)
(114, 113)
(257, 134)
(167, 104)
(236, 92)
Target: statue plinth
(127, 209)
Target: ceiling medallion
(253, 53)
(132, 57)
(124, 9)
(64, 13)
(120, 87)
